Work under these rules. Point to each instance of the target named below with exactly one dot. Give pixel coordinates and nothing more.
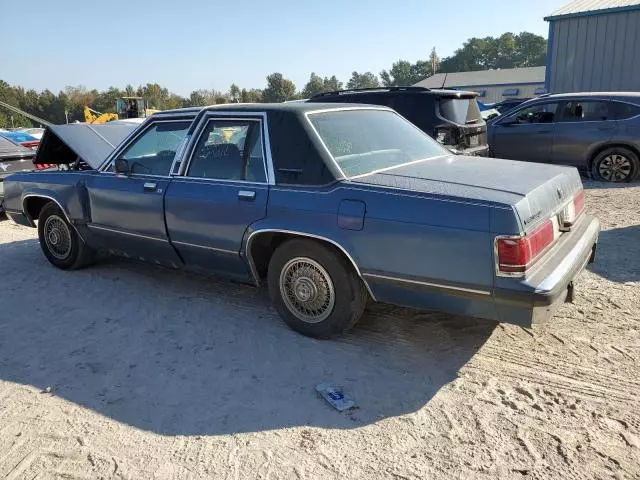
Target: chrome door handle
(247, 195)
(150, 186)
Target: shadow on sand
(180, 354)
(618, 255)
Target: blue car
(330, 205)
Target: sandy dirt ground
(131, 371)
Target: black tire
(61, 243)
(615, 164)
(349, 293)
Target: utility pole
(434, 61)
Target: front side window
(229, 150)
(153, 152)
(363, 141)
(589, 111)
(540, 113)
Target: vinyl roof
(579, 8)
(507, 76)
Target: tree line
(506, 51)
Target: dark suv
(599, 133)
(452, 117)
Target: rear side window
(586, 111)
(622, 111)
(460, 110)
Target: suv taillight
(445, 136)
(572, 211)
(516, 254)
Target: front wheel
(314, 289)
(60, 242)
(617, 164)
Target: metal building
(594, 45)
(493, 85)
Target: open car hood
(92, 143)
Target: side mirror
(122, 166)
(507, 122)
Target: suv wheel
(314, 289)
(616, 164)
(60, 242)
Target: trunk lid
(536, 191)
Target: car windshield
(365, 140)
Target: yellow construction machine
(126, 107)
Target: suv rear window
(460, 110)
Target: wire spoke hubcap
(57, 237)
(307, 290)
(615, 168)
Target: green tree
(278, 89)
(234, 93)
(406, 73)
(317, 85)
(363, 80)
(253, 95)
(314, 86)
(506, 51)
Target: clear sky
(190, 44)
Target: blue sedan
(329, 205)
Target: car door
(582, 126)
(221, 190)
(526, 133)
(127, 210)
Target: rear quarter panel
(406, 235)
(67, 189)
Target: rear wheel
(314, 289)
(60, 242)
(616, 164)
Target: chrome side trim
(48, 197)
(112, 230)
(252, 266)
(222, 250)
(429, 284)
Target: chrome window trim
(254, 272)
(49, 197)
(216, 180)
(380, 108)
(143, 128)
(121, 232)
(222, 250)
(211, 115)
(428, 284)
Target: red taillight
(515, 254)
(44, 166)
(33, 144)
(573, 210)
(578, 202)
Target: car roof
(591, 94)
(396, 90)
(268, 107)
